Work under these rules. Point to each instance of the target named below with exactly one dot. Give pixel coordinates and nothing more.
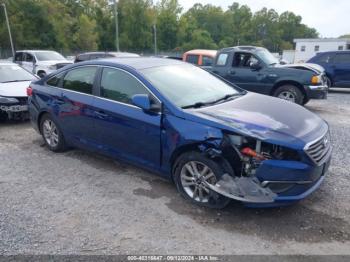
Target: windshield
(14, 73)
(186, 85)
(48, 55)
(267, 57)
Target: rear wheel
(290, 93)
(51, 133)
(191, 172)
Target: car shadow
(298, 222)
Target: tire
(290, 93)
(52, 134)
(329, 82)
(187, 186)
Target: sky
(328, 17)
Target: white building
(307, 48)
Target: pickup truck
(256, 69)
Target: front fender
(180, 135)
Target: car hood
(309, 66)
(14, 89)
(265, 118)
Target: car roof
(36, 51)
(242, 48)
(206, 52)
(137, 63)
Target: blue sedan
(214, 140)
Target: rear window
(222, 59)
(193, 59)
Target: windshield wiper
(226, 97)
(11, 81)
(201, 104)
(195, 105)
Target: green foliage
(81, 25)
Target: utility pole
(8, 28)
(155, 38)
(116, 25)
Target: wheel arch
(290, 82)
(40, 116)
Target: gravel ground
(80, 203)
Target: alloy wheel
(287, 95)
(50, 133)
(193, 176)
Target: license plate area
(14, 108)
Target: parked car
(200, 57)
(337, 67)
(14, 82)
(216, 141)
(256, 69)
(40, 62)
(98, 55)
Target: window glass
(186, 84)
(193, 59)
(29, 58)
(324, 58)
(340, 47)
(317, 48)
(243, 60)
(303, 48)
(55, 80)
(48, 55)
(207, 61)
(342, 58)
(80, 79)
(120, 86)
(18, 56)
(222, 59)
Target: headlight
(53, 67)
(316, 80)
(8, 100)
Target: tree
(85, 37)
(168, 12)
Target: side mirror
(255, 66)
(142, 101)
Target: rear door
(341, 68)
(75, 110)
(123, 129)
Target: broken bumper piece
(245, 189)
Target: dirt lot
(80, 203)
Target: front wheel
(192, 170)
(51, 133)
(290, 93)
(328, 82)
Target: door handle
(101, 114)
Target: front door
(341, 69)
(123, 129)
(244, 76)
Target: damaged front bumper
(276, 183)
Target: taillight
(29, 91)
